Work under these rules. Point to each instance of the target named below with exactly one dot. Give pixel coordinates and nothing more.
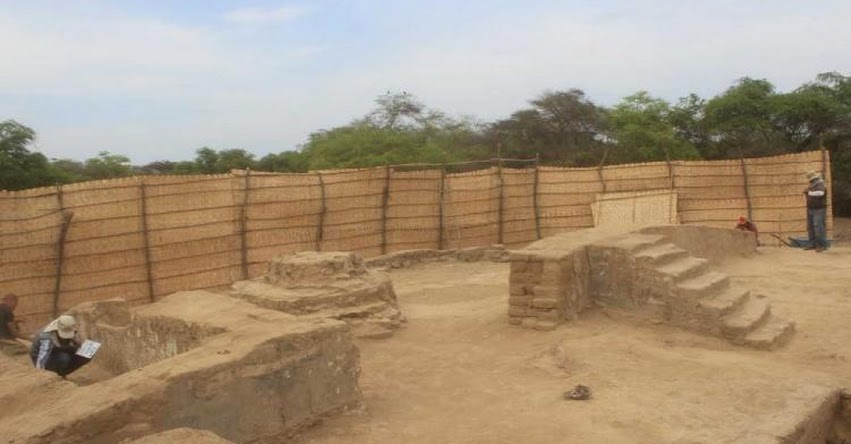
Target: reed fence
(142, 238)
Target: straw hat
(813, 175)
(65, 326)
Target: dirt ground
(459, 373)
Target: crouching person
(55, 347)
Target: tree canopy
(563, 127)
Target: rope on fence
(535, 198)
(385, 198)
(320, 226)
(243, 224)
(440, 204)
(146, 244)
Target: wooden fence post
(440, 203)
(320, 227)
(600, 169)
(60, 248)
(747, 187)
(537, 207)
(673, 216)
(500, 204)
(384, 201)
(243, 224)
(146, 240)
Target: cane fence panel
(142, 238)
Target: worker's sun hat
(65, 326)
(813, 175)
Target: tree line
(565, 128)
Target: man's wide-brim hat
(813, 175)
(65, 326)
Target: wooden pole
(60, 249)
(535, 198)
(384, 201)
(320, 227)
(243, 224)
(747, 187)
(146, 245)
(500, 204)
(600, 169)
(673, 215)
(440, 201)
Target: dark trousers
(817, 228)
(63, 362)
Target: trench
(138, 343)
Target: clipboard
(88, 349)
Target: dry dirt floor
(458, 373)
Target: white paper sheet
(88, 349)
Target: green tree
(642, 130)
(234, 159)
(400, 130)
(562, 126)
(19, 167)
(742, 121)
(207, 160)
(107, 166)
(284, 162)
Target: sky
(158, 79)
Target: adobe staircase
(694, 297)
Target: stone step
(633, 243)
(705, 285)
(682, 269)
(661, 254)
(772, 334)
(748, 318)
(725, 303)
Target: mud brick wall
(547, 287)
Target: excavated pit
(822, 419)
(186, 361)
(131, 340)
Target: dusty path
(459, 373)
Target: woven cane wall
(142, 238)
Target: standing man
(816, 194)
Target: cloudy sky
(158, 79)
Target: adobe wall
(715, 244)
(282, 372)
(556, 278)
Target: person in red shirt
(745, 225)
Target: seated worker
(10, 334)
(745, 225)
(55, 347)
(8, 326)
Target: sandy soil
(459, 373)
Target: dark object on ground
(578, 393)
(781, 240)
(803, 242)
